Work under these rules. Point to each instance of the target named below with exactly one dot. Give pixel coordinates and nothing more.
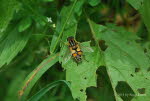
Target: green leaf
(78, 7)
(145, 12)
(123, 58)
(136, 3)
(82, 75)
(12, 42)
(47, 0)
(24, 24)
(44, 90)
(65, 22)
(7, 8)
(94, 2)
(32, 78)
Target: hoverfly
(75, 50)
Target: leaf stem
(55, 45)
(42, 35)
(91, 27)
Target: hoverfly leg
(77, 63)
(85, 58)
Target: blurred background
(39, 18)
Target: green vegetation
(36, 63)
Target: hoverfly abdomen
(77, 57)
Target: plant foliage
(35, 58)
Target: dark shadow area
(103, 45)
(103, 91)
(141, 90)
(124, 91)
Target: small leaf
(94, 2)
(48, 0)
(24, 24)
(40, 20)
(136, 3)
(7, 7)
(78, 7)
(32, 78)
(47, 88)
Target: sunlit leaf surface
(125, 60)
(82, 75)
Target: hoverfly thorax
(72, 42)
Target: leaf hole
(103, 45)
(148, 69)
(85, 78)
(145, 50)
(77, 99)
(124, 91)
(137, 70)
(81, 90)
(141, 90)
(132, 75)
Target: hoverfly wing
(65, 55)
(66, 58)
(85, 47)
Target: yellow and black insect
(75, 49)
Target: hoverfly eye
(70, 38)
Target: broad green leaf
(65, 22)
(24, 24)
(71, 31)
(11, 43)
(7, 9)
(47, 88)
(136, 3)
(94, 2)
(145, 12)
(32, 78)
(125, 60)
(78, 7)
(82, 75)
